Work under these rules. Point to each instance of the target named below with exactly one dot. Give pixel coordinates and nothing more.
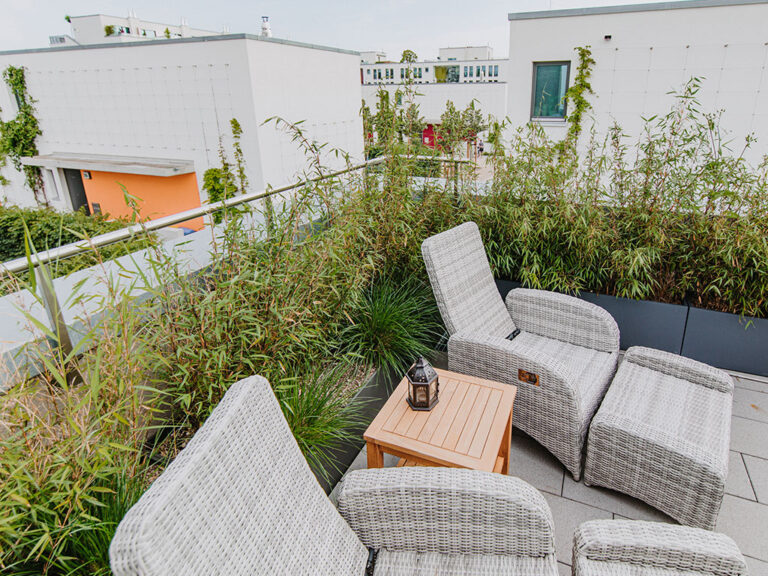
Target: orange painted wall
(159, 196)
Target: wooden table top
(465, 429)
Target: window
(426, 69)
(483, 71)
(471, 71)
(478, 71)
(465, 71)
(496, 70)
(550, 81)
(368, 72)
(402, 73)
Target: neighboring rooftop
(619, 9)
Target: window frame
(534, 74)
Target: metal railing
(129, 232)
(39, 261)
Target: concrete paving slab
(738, 482)
(611, 501)
(756, 567)
(750, 404)
(534, 464)
(749, 437)
(747, 523)
(567, 515)
(757, 469)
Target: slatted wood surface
(468, 428)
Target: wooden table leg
(506, 445)
(375, 455)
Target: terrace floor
(744, 513)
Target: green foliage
(68, 18)
(50, 229)
(318, 405)
(577, 94)
(167, 33)
(18, 136)
(408, 56)
(69, 455)
(227, 181)
(393, 322)
(109, 30)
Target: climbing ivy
(577, 94)
(18, 135)
(223, 182)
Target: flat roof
(110, 163)
(215, 38)
(619, 9)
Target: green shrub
(50, 229)
(392, 323)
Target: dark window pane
(550, 84)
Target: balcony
(316, 286)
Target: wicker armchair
(241, 499)
(570, 347)
(635, 548)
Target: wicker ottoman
(662, 435)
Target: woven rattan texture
(626, 547)
(662, 435)
(239, 499)
(571, 345)
(463, 284)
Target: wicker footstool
(662, 435)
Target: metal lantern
(423, 385)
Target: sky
(389, 25)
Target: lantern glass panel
(422, 398)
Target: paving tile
(563, 569)
(611, 501)
(748, 436)
(749, 382)
(750, 404)
(534, 464)
(747, 523)
(738, 482)
(756, 567)
(757, 468)
(567, 516)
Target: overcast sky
(389, 25)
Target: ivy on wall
(18, 135)
(578, 92)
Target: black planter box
(370, 398)
(727, 341)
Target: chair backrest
(239, 499)
(462, 282)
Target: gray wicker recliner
(636, 548)
(570, 346)
(241, 499)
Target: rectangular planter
(371, 397)
(727, 341)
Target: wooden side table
(470, 427)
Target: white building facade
(103, 28)
(642, 53)
(159, 109)
(460, 75)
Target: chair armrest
(659, 545)
(680, 367)
(446, 510)
(564, 318)
(500, 359)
